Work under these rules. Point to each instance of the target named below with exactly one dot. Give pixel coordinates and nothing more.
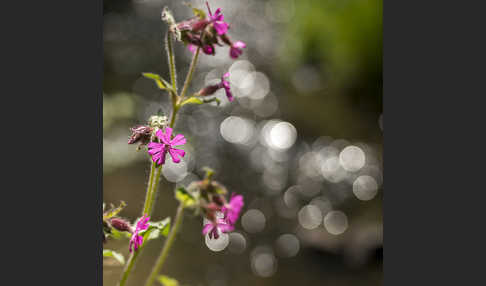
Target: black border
(52, 142)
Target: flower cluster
(137, 240)
(231, 212)
(221, 215)
(206, 32)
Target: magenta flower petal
(235, 50)
(221, 27)
(233, 208)
(136, 240)
(178, 140)
(207, 228)
(158, 151)
(176, 154)
(166, 136)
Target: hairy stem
(152, 190)
(167, 246)
(128, 268)
(153, 183)
(192, 67)
(170, 54)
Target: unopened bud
(209, 90)
(121, 224)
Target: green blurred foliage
(342, 40)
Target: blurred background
(302, 141)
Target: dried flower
(140, 133)
(137, 240)
(158, 151)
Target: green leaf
(159, 81)
(193, 100)
(111, 253)
(114, 211)
(167, 281)
(199, 13)
(156, 229)
(186, 198)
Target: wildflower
(211, 89)
(137, 240)
(215, 227)
(217, 19)
(233, 208)
(226, 85)
(158, 151)
(235, 50)
(140, 133)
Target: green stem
(175, 99)
(170, 54)
(167, 245)
(153, 183)
(192, 67)
(128, 268)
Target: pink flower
(235, 50)
(233, 208)
(158, 151)
(213, 228)
(217, 19)
(137, 239)
(226, 85)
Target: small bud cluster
(213, 205)
(208, 32)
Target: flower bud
(208, 90)
(121, 224)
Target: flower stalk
(167, 246)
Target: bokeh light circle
(365, 188)
(310, 216)
(352, 158)
(253, 221)
(287, 245)
(336, 222)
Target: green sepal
(167, 281)
(192, 100)
(185, 197)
